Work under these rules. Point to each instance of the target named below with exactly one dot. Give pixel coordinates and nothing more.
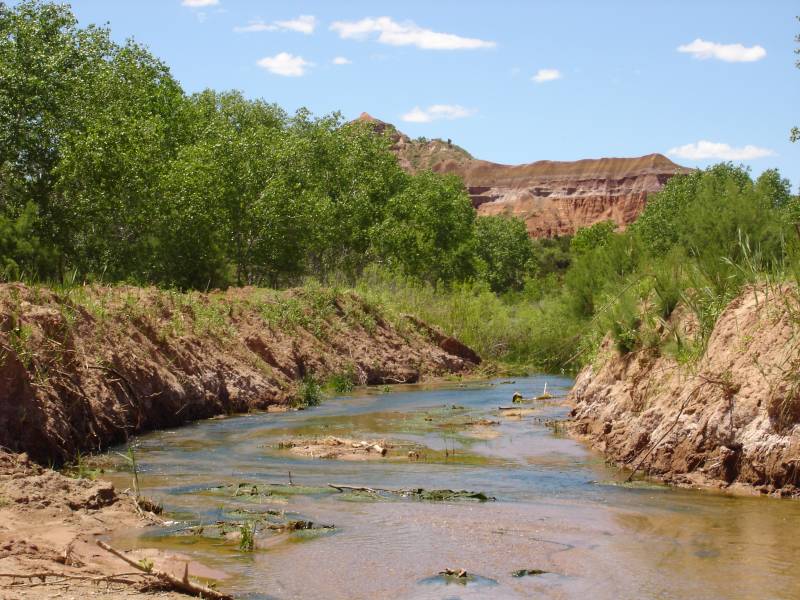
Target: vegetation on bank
(110, 172)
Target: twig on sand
(181, 585)
(62, 577)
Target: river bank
(730, 419)
(88, 367)
(85, 368)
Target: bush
(309, 392)
(504, 252)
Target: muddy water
(559, 509)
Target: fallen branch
(354, 488)
(181, 585)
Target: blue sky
(510, 81)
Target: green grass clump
(343, 382)
(309, 392)
(247, 542)
(81, 468)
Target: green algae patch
(365, 493)
(259, 492)
(246, 535)
(451, 419)
(527, 572)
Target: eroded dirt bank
(86, 368)
(732, 419)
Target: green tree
(112, 162)
(595, 236)
(504, 252)
(352, 175)
(428, 230)
(219, 184)
(774, 189)
(663, 218)
(22, 254)
(45, 60)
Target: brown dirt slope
(733, 419)
(552, 197)
(83, 369)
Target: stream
(560, 511)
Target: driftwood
(370, 447)
(354, 488)
(181, 585)
(62, 577)
(460, 573)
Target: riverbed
(555, 508)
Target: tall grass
(514, 328)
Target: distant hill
(552, 197)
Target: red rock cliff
(553, 198)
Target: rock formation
(553, 198)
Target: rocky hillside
(86, 368)
(731, 419)
(553, 198)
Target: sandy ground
(331, 447)
(49, 525)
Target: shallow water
(559, 508)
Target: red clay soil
(87, 368)
(730, 420)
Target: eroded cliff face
(731, 420)
(553, 198)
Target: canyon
(554, 198)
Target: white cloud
(302, 24)
(255, 26)
(405, 34)
(437, 111)
(705, 150)
(199, 3)
(543, 75)
(342, 60)
(728, 52)
(285, 64)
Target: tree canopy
(109, 170)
